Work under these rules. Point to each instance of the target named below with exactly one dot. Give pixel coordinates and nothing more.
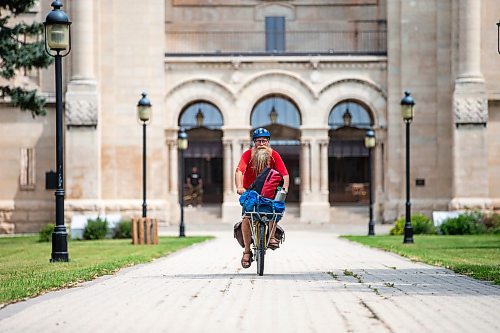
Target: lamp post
(498, 37)
(144, 116)
(407, 105)
(273, 115)
(199, 118)
(182, 145)
(58, 45)
(370, 144)
(347, 117)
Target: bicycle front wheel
(261, 249)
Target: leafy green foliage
(123, 230)
(21, 50)
(421, 225)
(45, 235)
(469, 223)
(492, 223)
(95, 229)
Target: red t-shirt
(245, 166)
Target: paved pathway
(316, 282)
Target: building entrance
(202, 122)
(205, 153)
(280, 115)
(348, 173)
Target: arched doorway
(281, 117)
(347, 156)
(203, 121)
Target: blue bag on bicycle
(251, 200)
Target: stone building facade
(317, 73)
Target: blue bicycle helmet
(261, 133)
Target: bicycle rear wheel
(261, 249)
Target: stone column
(470, 111)
(315, 170)
(82, 96)
(171, 176)
(234, 146)
(314, 206)
(82, 138)
(323, 152)
(228, 167)
(378, 175)
(172, 167)
(82, 33)
(305, 163)
(469, 40)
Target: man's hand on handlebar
(240, 190)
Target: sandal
(248, 262)
(273, 244)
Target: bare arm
(238, 181)
(286, 182)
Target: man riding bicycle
(252, 162)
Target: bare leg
(247, 239)
(273, 242)
(247, 234)
(272, 230)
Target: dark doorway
(280, 116)
(347, 156)
(202, 122)
(205, 153)
(348, 167)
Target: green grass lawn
(25, 270)
(475, 255)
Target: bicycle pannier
(279, 234)
(238, 234)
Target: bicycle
(259, 226)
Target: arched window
(349, 114)
(274, 109)
(201, 114)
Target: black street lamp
(182, 145)
(144, 115)
(370, 144)
(58, 45)
(498, 37)
(407, 105)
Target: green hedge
(421, 225)
(95, 229)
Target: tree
(21, 50)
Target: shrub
(421, 225)
(123, 230)
(398, 227)
(492, 223)
(469, 223)
(95, 229)
(46, 233)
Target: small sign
(50, 180)
(420, 182)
